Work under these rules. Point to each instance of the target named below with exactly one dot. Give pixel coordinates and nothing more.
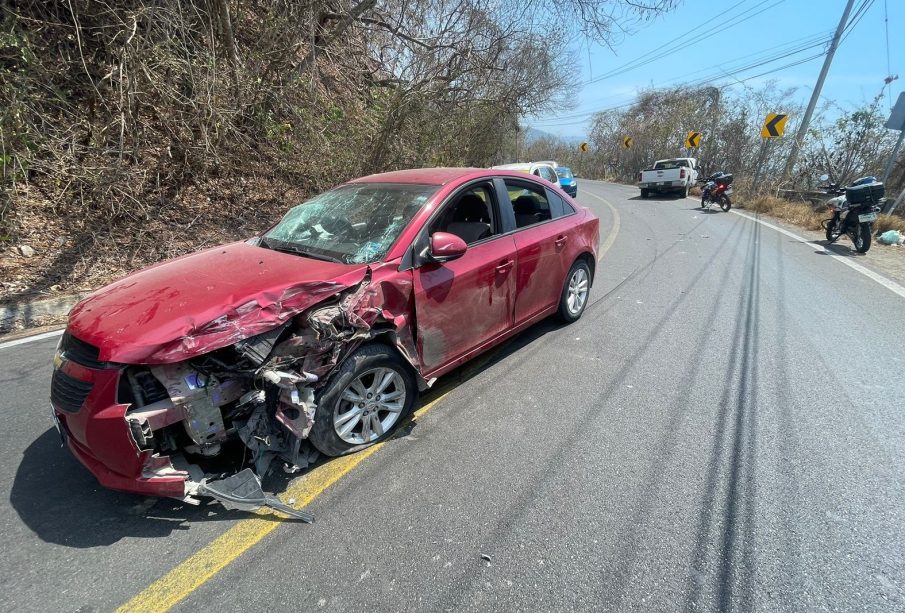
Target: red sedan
(323, 330)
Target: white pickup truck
(676, 175)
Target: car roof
(523, 166)
(422, 176)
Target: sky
(705, 39)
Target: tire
(644, 193)
(362, 373)
(703, 202)
(570, 306)
(725, 203)
(864, 235)
(830, 224)
(683, 193)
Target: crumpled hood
(204, 301)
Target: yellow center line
(611, 237)
(182, 580)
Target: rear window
(670, 164)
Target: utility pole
(806, 120)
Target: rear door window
(530, 203)
(558, 206)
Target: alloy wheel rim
(577, 293)
(369, 406)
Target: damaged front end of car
(215, 424)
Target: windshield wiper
(290, 248)
(318, 256)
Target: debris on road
(892, 237)
(26, 251)
(243, 491)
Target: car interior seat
(527, 211)
(471, 219)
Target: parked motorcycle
(855, 210)
(717, 189)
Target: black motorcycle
(717, 189)
(855, 210)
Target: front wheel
(725, 203)
(370, 394)
(574, 298)
(862, 238)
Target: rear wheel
(644, 193)
(862, 244)
(831, 236)
(684, 192)
(725, 203)
(574, 298)
(370, 394)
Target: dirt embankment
(57, 254)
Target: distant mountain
(533, 135)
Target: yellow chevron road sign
(774, 125)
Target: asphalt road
(722, 430)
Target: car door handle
(504, 266)
(561, 240)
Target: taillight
(682, 173)
(639, 177)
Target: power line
(807, 43)
(732, 22)
(886, 23)
(787, 50)
(556, 123)
(632, 64)
(577, 118)
(860, 12)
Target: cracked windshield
(354, 224)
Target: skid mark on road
(887, 283)
(547, 475)
(728, 508)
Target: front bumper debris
(160, 429)
(243, 491)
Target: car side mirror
(445, 247)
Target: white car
(675, 175)
(544, 170)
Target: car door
(542, 233)
(465, 303)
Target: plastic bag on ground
(891, 237)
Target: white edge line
(887, 283)
(31, 339)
